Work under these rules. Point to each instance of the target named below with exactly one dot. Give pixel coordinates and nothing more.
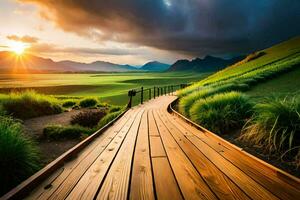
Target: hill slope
(11, 63)
(155, 66)
(278, 57)
(208, 64)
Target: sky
(137, 31)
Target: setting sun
(17, 47)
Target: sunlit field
(110, 87)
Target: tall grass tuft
(29, 104)
(88, 118)
(223, 112)
(58, 132)
(109, 117)
(88, 102)
(19, 157)
(187, 102)
(275, 125)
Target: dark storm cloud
(195, 27)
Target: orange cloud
(24, 39)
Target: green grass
(58, 132)
(275, 125)
(109, 87)
(29, 104)
(223, 112)
(284, 85)
(19, 156)
(88, 102)
(109, 117)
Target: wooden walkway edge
(152, 152)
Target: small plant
(88, 118)
(223, 112)
(275, 125)
(109, 117)
(114, 109)
(69, 104)
(19, 155)
(30, 104)
(58, 132)
(88, 102)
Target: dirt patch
(50, 149)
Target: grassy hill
(283, 85)
(278, 57)
(254, 103)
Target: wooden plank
(141, 186)
(156, 146)
(152, 125)
(219, 183)
(116, 183)
(87, 186)
(166, 186)
(29, 184)
(247, 184)
(69, 183)
(256, 170)
(43, 192)
(190, 182)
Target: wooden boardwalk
(151, 154)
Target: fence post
(130, 99)
(158, 91)
(142, 95)
(161, 91)
(149, 93)
(154, 92)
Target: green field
(110, 87)
(282, 86)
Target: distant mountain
(207, 64)
(10, 63)
(100, 66)
(155, 66)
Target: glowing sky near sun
(137, 31)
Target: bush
(19, 156)
(88, 118)
(109, 117)
(275, 125)
(57, 132)
(68, 104)
(30, 104)
(88, 102)
(186, 102)
(223, 112)
(115, 109)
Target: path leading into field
(151, 154)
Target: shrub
(30, 104)
(68, 104)
(57, 132)
(88, 102)
(186, 102)
(222, 112)
(275, 125)
(88, 118)
(19, 155)
(115, 109)
(109, 117)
